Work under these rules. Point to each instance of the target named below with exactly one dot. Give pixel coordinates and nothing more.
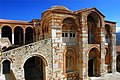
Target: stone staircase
(42, 47)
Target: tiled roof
(12, 21)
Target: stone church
(61, 45)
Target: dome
(58, 8)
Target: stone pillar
(113, 53)
(12, 38)
(24, 38)
(0, 67)
(83, 53)
(57, 52)
(102, 52)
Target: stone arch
(38, 63)
(29, 35)
(63, 19)
(94, 62)
(7, 32)
(19, 26)
(6, 25)
(96, 17)
(36, 54)
(29, 26)
(94, 25)
(18, 35)
(69, 60)
(94, 46)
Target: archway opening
(6, 67)
(18, 36)
(94, 25)
(34, 68)
(118, 63)
(7, 32)
(90, 67)
(28, 35)
(94, 63)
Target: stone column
(12, 37)
(24, 38)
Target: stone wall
(19, 56)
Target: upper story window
(68, 34)
(94, 25)
(64, 34)
(69, 31)
(72, 34)
(108, 34)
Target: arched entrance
(28, 35)
(7, 32)
(118, 63)
(18, 36)
(94, 63)
(34, 69)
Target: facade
(62, 45)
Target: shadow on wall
(10, 76)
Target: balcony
(72, 75)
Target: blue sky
(28, 9)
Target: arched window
(6, 66)
(7, 32)
(69, 31)
(94, 25)
(107, 35)
(90, 32)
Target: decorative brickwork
(77, 45)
